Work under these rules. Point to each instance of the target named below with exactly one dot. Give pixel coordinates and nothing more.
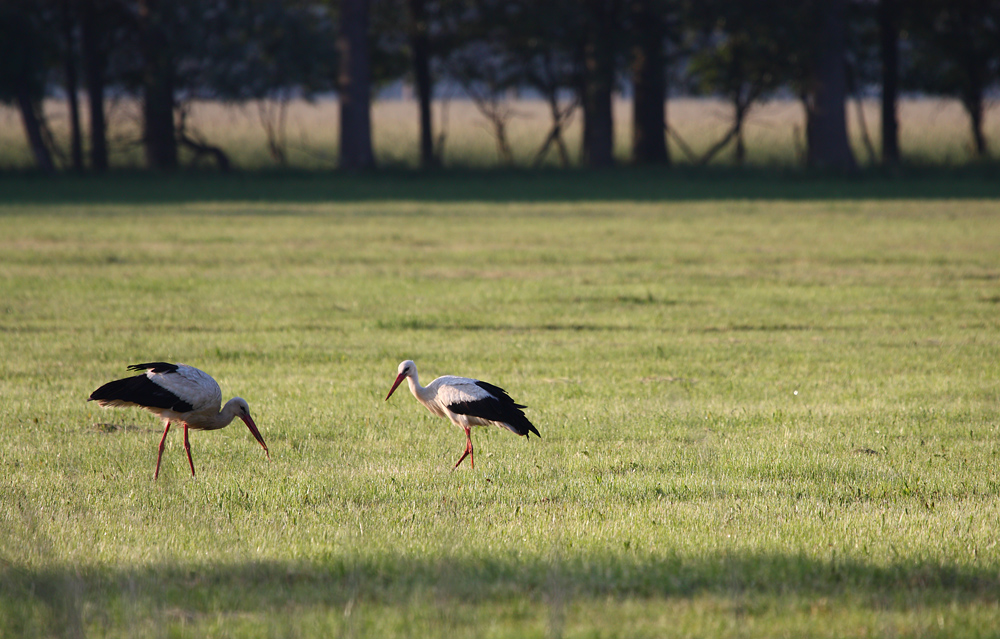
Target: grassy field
(760, 416)
(932, 132)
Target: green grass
(760, 417)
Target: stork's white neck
(225, 416)
(415, 387)
(422, 393)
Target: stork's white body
(449, 390)
(466, 403)
(191, 386)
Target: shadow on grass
(274, 587)
(621, 184)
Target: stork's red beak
(256, 433)
(395, 384)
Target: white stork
(467, 403)
(178, 393)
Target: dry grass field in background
(932, 132)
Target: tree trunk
(973, 103)
(598, 123)
(33, 129)
(826, 117)
(740, 153)
(355, 87)
(200, 147)
(158, 89)
(93, 74)
(560, 116)
(421, 50)
(649, 83)
(76, 147)
(888, 22)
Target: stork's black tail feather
(525, 427)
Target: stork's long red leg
(187, 447)
(160, 453)
(468, 451)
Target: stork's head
(238, 407)
(406, 369)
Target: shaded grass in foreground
(521, 595)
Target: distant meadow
(932, 132)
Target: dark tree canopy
(959, 54)
(27, 49)
(575, 55)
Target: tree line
(573, 54)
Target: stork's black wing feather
(499, 393)
(142, 391)
(156, 367)
(497, 408)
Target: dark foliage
(574, 54)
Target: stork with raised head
(467, 403)
(177, 393)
